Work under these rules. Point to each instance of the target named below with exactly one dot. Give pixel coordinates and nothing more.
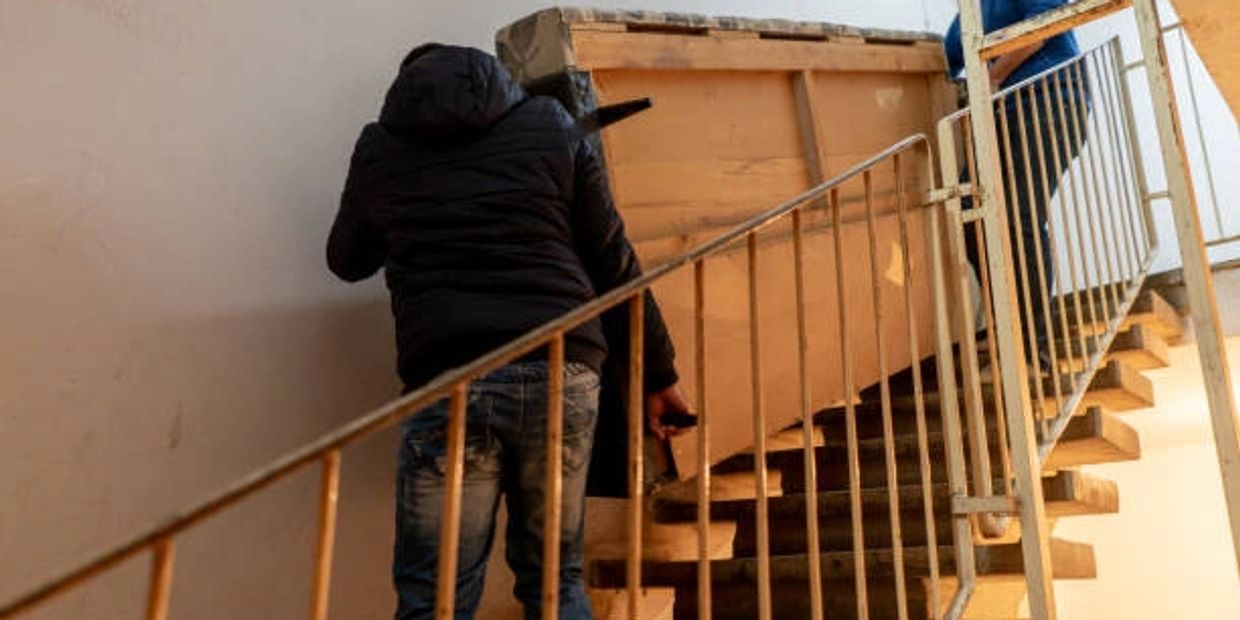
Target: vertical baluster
(923, 441)
(450, 528)
(159, 591)
(948, 279)
(554, 499)
(1070, 248)
(1201, 134)
(1107, 168)
(1122, 163)
(1038, 249)
(759, 435)
(807, 423)
(1018, 233)
(889, 441)
(329, 494)
(1058, 272)
(1094, 198)
(992, 353)
(1132, 150)
(975, 415)
(850, 417)
(636, 455)
(1086, 281)
(703, 429)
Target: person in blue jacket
(1049, 127)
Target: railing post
(553, 495)
(159, 592)
(1026, 465)
(450, 526)
(1197, 277)
(703, 490)
(1133, 148)
(329, 496)
(637, 424)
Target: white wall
(1222, 138)
(168, 171)
(1167, 554)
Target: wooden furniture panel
(748, 114)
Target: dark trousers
(1028, 194)
(505, 455)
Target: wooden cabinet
(748, 114)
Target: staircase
(1097, 434)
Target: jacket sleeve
(356, 248)
(610, 261)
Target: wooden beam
(1048, 24)
(809, 121)
(1198, 279)
(640, 50)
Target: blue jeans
(505, 453)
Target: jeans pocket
(580, 417)
(425, 439)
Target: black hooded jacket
(491, 214)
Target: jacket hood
(449, 92)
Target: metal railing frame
(988, 182)
(454, 385)
(1023, 443)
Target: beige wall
(168, 171)
(1168, 553)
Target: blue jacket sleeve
(954, 49)
(1032, 8)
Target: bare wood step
(613, 603)
(1069, 560)
(1068, 493)
(1116, 387)
(739, 484)
(1096, 437)
(1073, 493)
(790, 439)
(1140, 347)
(1150, 309)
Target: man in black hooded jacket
(491, 215)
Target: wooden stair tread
(738, 484)
(1097, 437)
(1068, 492)
(1116, 387)
(613, 603)
(1150, 309)
(1094, 438)
(1069, 560)
(1139, 347)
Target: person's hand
(662, 402)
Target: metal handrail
(326, 449)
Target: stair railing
(883, 195)
(1081, 113)
(1072, 169)
(1061, 255)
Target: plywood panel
(1214, 27)
(640, 50)
(728, 324)
(734, 119)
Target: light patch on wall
(895, 265)
(889, 98)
